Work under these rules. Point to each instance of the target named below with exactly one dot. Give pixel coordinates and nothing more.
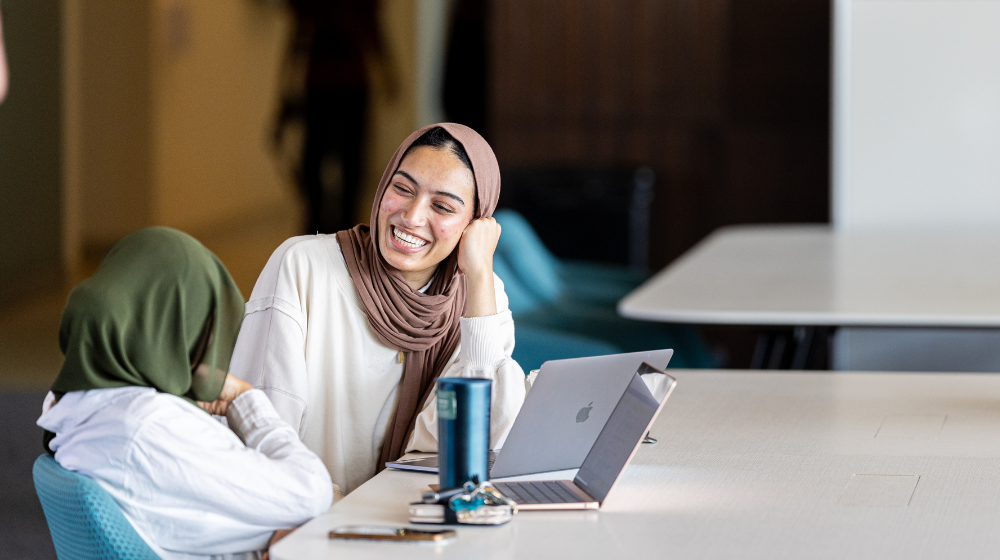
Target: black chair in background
(586, 214)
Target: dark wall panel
(727, 100)
(30, 181)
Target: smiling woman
(425, 211)
(428, 209)
(346, 333)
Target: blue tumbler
(463, 407)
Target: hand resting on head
(475, 260)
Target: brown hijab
(423, 325)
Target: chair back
(530, 260)
(520, 299)
(84, 520)
(596, 214)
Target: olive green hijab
(159, 304)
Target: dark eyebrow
(408, 176)
(442, 193)
(449, 195)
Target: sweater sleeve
(485, 353)
(269, 352)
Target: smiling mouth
(407, 240)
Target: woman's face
(425, 210)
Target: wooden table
(808, 276)
(755, 465)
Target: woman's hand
(232, 388)
(475, 250)
(475, 259)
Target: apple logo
(584, 413)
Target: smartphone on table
(384, 533)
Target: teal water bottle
(463, 407)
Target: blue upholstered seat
(565, 309)
(535, 345)
(84, 520)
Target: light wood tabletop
(754, 465)
(812, 275)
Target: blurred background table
(754, 465)
(804, 277)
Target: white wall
(432, 42)
(916, 114)
(916, 145)
(214, 98)
(971, 350)
(171, 104)
(415, 34)
(169, 107)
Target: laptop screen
(613, 448)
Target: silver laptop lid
(566, 409)
(621, 436)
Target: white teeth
(407, 240)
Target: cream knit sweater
(305, 341)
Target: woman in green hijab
(159, 304)
(145, 339)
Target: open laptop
(622, 434)
(564, 412)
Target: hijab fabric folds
(423, 325)
(158, 300)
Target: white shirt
(307, 343)
(189, 485)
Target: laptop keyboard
(538, 492)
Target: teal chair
(84, 520)
(533, 344)
(579, 298)
(550, 278)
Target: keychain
(474, 504)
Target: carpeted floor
(23, 531)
